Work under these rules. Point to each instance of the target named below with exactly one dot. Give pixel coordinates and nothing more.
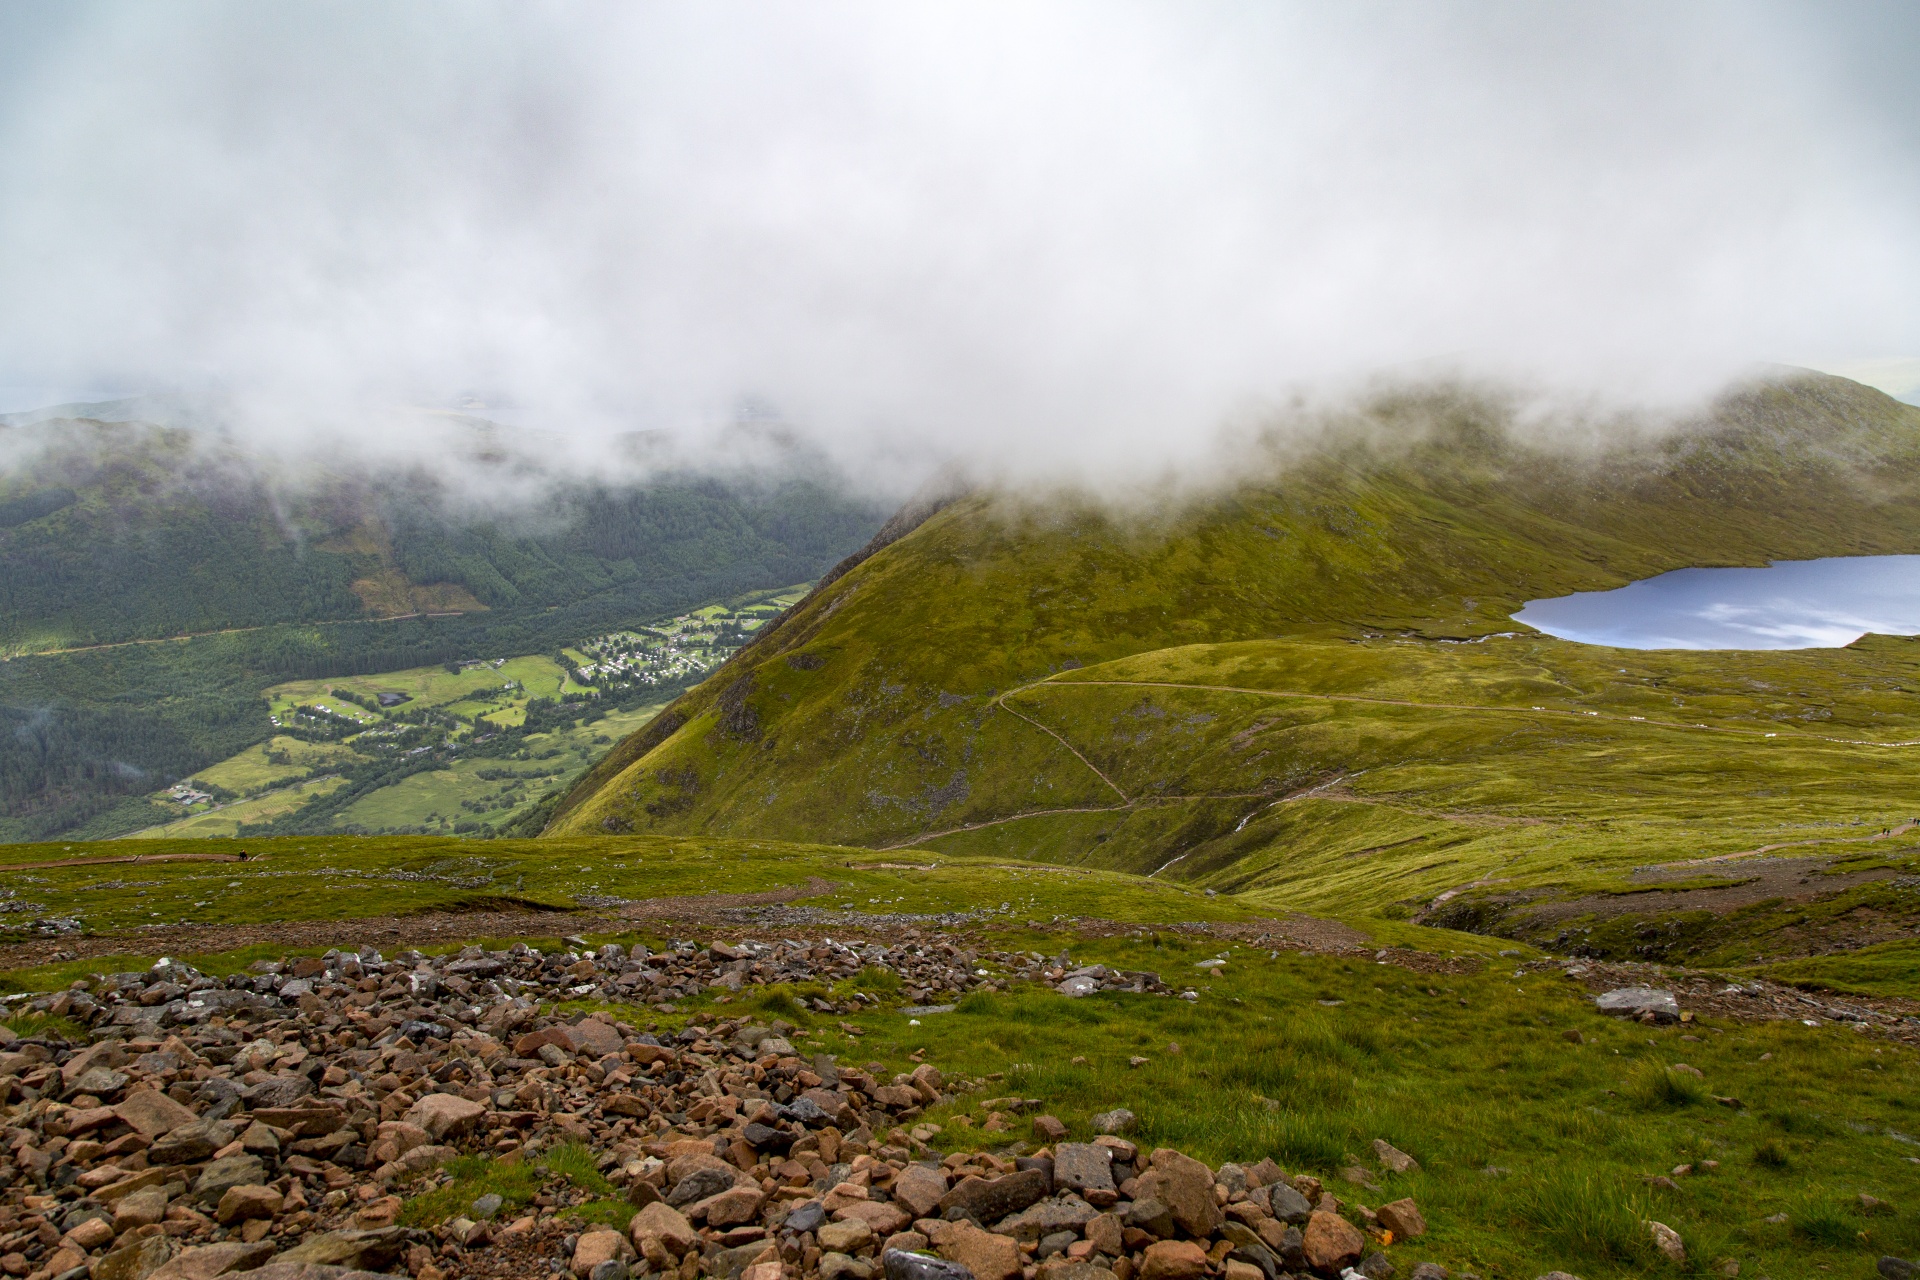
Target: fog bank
(1058, 240)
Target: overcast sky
(1019, 232)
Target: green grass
(323, 878)
(1890, 969)
(1534, 1150)
(226, 820)
(251, 771)
(516, 1181)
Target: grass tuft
(1655, 1087)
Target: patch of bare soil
(137, 857)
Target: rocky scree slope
(275, 1126)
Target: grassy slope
(872, 715)
(1301, 1058)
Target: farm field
(227, 820)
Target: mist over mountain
(1065, 241)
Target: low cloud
(1061, 240)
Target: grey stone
(136, 1261)
(1117, 1122)
(611, 1269)
(1376, 1266)
(487, 1205)
(808, 1216)
(368, 1250)
(698, 1185)
(1898, 1269)
(901, 1265)
(1151, 1216)
(1082, 1166)
(98, 1081)
(1069, 1214)
(1633, 1002)
(1055, 1242)
(281, 1091)
(1428, 1271)
(1077, 987)
(987, 1201)
(234, 1171)
(191, 1143)
(1287, 1204)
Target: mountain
(155, 579)
(1309, 683)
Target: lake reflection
(1793, 604)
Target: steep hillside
(119, 531)
(944, 689)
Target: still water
(1791, 604)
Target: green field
(343, 877)
(532, 676)
(227, 819)
(457, 793)
(252, 771)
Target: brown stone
(241, 1204)
(882, 1219)
(1392, 1159)
(1402, 1217)
(143, 1208)
(1330, 1241)
(731, 1207)
(665, 1224)
(844, 1236)
(598, 1246)
(919, 1188)
(988, 1256)
(1104, 1234)
(445, 1115)
(151, 1113)
(1049, 1128)
(1185, 1186)
(213, 1260)
(135, 1261)
(1174, 1260)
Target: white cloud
(1030, 234)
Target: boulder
(594, 1037)
(1639, 1002)
(1330, 1242)
(1118, 1122)
(243, 1204)
(212, 1260)
(1402, 1217)
(1174, 1260)
(1068, 1213)
(1287, 1204)
(986, 1256)
(135, 1261)
(1185, 1186)
(918, 1188)
(900, 1264)
(191, 1143)
(445, 1115)
(141, 1209)
(230, 1171)
(598, 1246)
(989, 1200)
(373, 1250)
(732, 1207)
(664, 1223)
(1392, 1159)
(151, 1113)
(844, 1237)
(1082, 1166)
